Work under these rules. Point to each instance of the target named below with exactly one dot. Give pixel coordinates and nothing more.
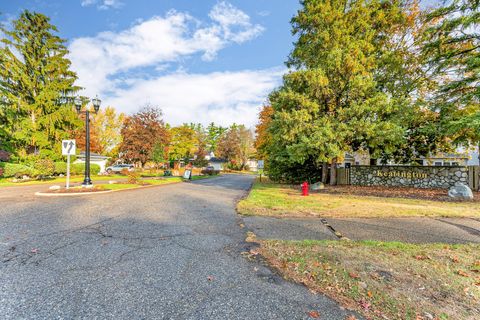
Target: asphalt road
(169, 252)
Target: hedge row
(44, 168)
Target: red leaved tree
(141, 132)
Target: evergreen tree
(34, 82)
(331, 104)
(454, 48)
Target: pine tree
(454, 48)
(34, 81)
(331, 104)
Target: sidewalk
(413, 230)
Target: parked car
(117, 168)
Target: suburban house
(252, 165)
(95, 158)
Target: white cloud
(102, 4)
(109, 64)
(222, 97)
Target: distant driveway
(169, 252)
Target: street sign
(68, 147)
(260, 164)
(187, 175)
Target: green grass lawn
(203, 177)
(270, 199)
(162, 181)
(385, 280)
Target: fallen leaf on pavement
(210, 278)
(34, 251)
(351, 317)
(314, 314)
(462, 273)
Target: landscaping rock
(317, 186)
(112, 182)
(461, 192)
(55, 188)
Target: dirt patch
(396, 192)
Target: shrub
(60, 168)
(44, 167)
(79, 169)
(16, 170)
(94, 169)
(133, 177)
(210, 172)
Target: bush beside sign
(409, 176)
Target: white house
(95, 158)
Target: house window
(438, 163)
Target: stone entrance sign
(409, 176)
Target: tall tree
(331, 104)
(34, 81)
(141, 132)
(183, 143)
(213, 135)
(108, 125)
(236, 146)
(263, 137)
(454, 47)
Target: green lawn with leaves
(269, 199)
(385, 280)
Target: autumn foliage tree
(263, 137)
(236, 146)
(141, 132)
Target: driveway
(169, 252)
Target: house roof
(217, 160)
(93, 155)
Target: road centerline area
(159, 253)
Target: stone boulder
(317, 186)
(460, 192)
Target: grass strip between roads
(268, 199)
(385, 280)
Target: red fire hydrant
(305, 188)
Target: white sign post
(68, 148)
(260, 165)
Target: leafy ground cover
(404, 192)
(270, 199)
(385, 280)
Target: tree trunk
(333, 172)
(324, 172)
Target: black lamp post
(96, 106)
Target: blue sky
(200, 61)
